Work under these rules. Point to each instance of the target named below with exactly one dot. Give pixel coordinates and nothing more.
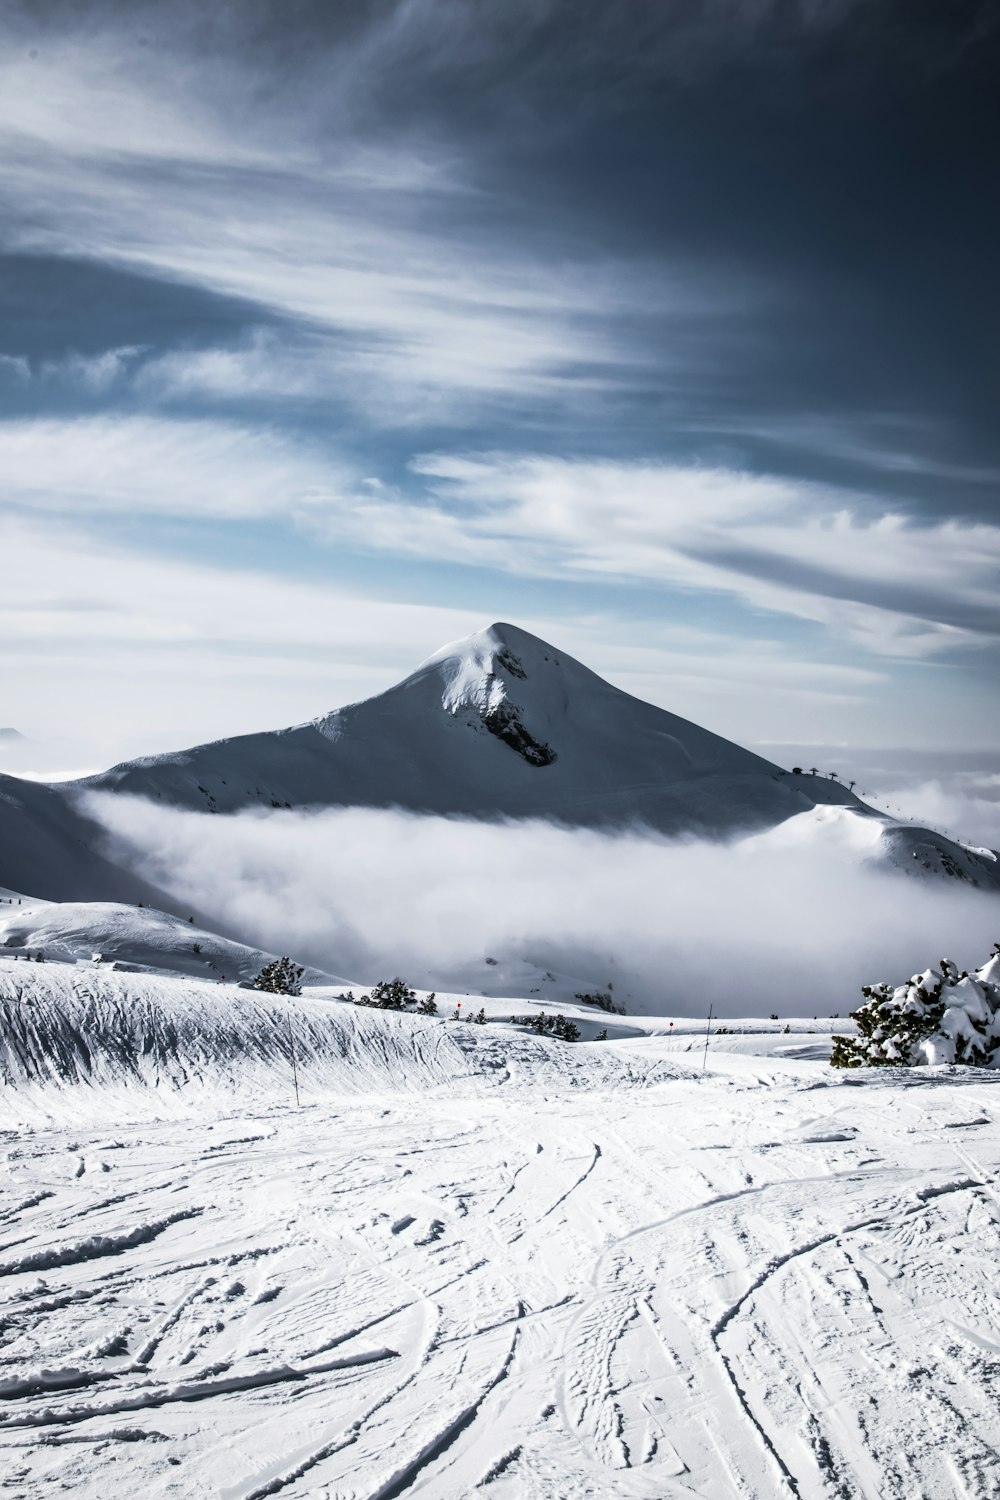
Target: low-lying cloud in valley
(751, 927)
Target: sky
(330, 333)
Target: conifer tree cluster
(390, 994)
(603, 999)
(281, 977)
(542, 1025)
(939, 1016)
(395, 994)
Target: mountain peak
(485, 676)
(501, 724)
(483, 646)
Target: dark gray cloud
(941, 605)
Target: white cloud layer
(879, 579)
(678, 924)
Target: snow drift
(90, 1043)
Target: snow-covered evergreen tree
(281, 977)
(939, 1016)
(389, 994)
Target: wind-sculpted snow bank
(91, 1044)
(939, 1016)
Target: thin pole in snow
(291, 1043)
(708, 1033)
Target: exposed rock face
(503, 721)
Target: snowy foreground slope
(503, 724)
(475, 1262)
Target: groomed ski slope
(473, 1262)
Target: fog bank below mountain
(793, 926)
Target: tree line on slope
(283, 977)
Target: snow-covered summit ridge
(493, 678)
(500, 725)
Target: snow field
(408, 1296)
(80, 1043)
(478, 1262)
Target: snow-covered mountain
(133, 938)
(502, 724)
(499, 724)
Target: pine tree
(428, 1006)
(940, 1015)
(389, 994)
(281, 977)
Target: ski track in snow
(603, 1277)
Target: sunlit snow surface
(476, 1262)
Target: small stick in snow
(291, 1043)
(708, 1033)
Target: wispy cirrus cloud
(883, 579)
(145, 465)
(93, 374)
(880, 579)
(379, 254)
(253, 258)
